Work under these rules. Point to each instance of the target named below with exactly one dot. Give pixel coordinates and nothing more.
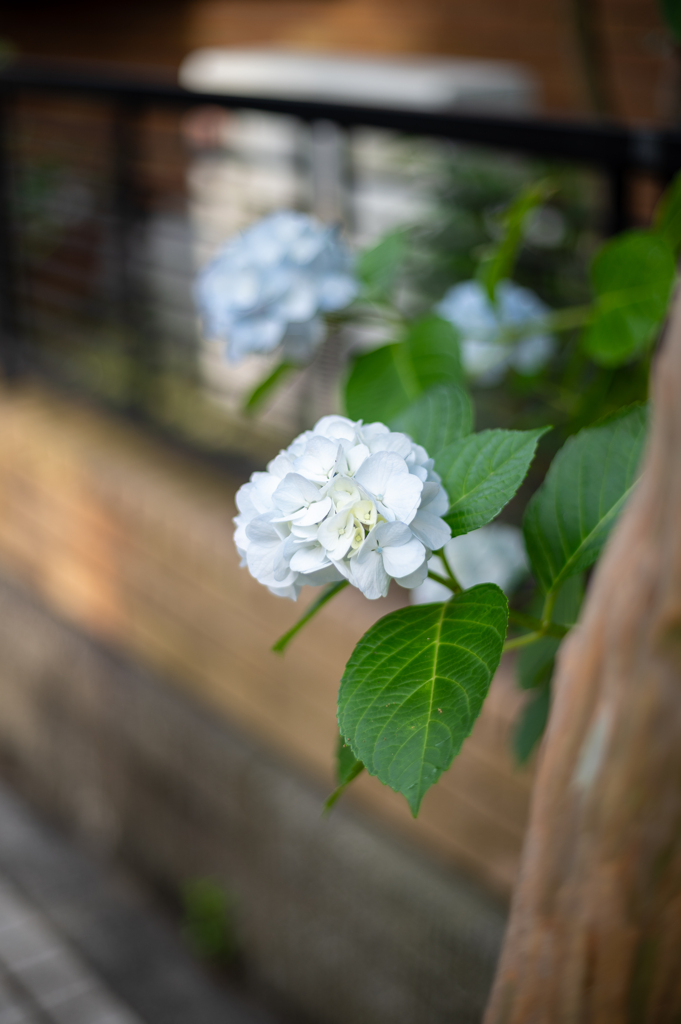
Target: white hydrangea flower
(485, 359)
(269, 286)
(345, 500)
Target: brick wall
(133, 545)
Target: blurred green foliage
(209, 920)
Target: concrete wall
(335, 920)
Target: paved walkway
(41, 978)
(78, 946)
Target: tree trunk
(595, 929)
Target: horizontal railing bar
(611, 145)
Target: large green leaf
(440, 416)
(378, 268)
(415, 684)
(482, 472)
(433, 347)
(384, 382)
(568, 519)
(632, 277)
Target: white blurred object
(246, 164)
(485, 359)
(412, 83)
(492, 554)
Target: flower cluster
(347, 501)
(486, 358)
(270, 285)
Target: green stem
(532, 623)
(338, 792)
(523, 641)
(540, 627)
(561, 320)
(547, 613)
(330, 592)
(450, 584)
(448, 568)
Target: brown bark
(595, 930)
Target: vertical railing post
(11, 363)
(128, 213)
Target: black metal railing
(617, 151)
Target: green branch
(536, 625)
(561, 320)
(456, 585)
(547, 613)
(523, 641)
(330, 592)
(338, 792)
(450, 584)
(540, 627)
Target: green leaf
(265, 388)
(434, 352)
(415, 684)
(667, 220)
(632, 277)
(482, 472)
(378, 267)
(375, 390)
(384, 382)
(534, 666)
(440, 416)
(671, 12)
(532, 723)
(499, 259)
(568, 519)
(326, 595)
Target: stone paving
(42, 979)
(79, 945)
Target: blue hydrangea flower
(270, 284)
(485, 359)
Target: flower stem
(522, 641)
(450, 584)
(450, 572)
(532, 623)
(540, 627)
(547, 613)
(560, 320)
(330, 592)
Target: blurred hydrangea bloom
(492, 554)
(346, 500)
(485, 359)
(270, 284)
